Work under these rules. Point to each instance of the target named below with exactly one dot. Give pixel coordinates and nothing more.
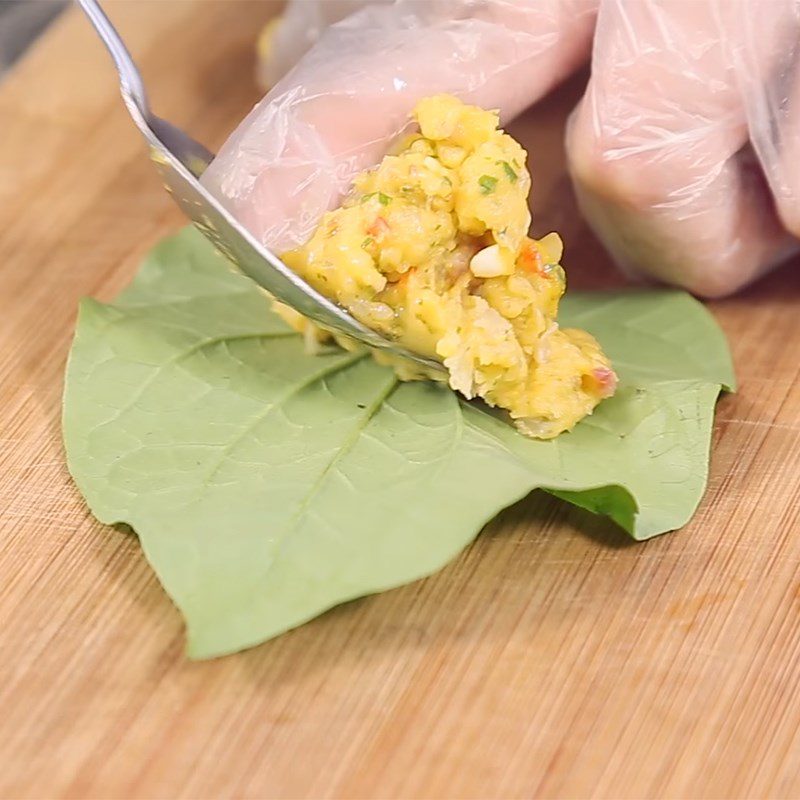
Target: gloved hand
(658, 147)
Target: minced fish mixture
(430, 248)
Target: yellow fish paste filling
(431, 249)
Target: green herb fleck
(384, 199)
(368, 197)
(367, 242)
(512, 176)
(487, 184)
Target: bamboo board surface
(553, 659)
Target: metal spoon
(180, 161)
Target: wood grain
(553, 659)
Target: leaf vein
(193, 350)
(278, 404)
(346, 446)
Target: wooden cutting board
(555, 658)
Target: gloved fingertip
(591, 162)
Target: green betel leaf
(267, 485)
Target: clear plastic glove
(289, 36)
(658, 147)
(349, 97)
(691, 103)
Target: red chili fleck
(606, 379)
(530, 259)
(378, 228)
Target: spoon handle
(130, 80)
